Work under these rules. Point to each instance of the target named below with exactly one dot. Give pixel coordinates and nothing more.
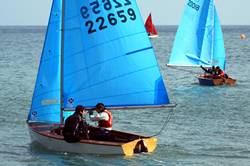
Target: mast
(62, 66)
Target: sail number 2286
(122, 14)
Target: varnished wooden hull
(42, 134)
(209, 81)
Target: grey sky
(164, 12)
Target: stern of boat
(140, 146)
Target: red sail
(150, 26)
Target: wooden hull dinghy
(49, 136)
(95, 54)
(210, 81)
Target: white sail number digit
(111, 18)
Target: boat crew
(210, 72)
(104, 117)
(75, 126)
(220, 72)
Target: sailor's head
(80, 109)
(217, 67)
(100, 107)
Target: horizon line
(155, 25)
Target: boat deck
(55, 131)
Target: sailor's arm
(100, 116)
(94, 117)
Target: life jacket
(221, 73)
(106, 123)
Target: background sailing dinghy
(95, 51)
(199, 41)
(150, 28)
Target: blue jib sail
(199, 39)
(46, 98)
(108, 56)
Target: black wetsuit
(75, 128)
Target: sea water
(210, 125)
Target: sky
(164, 12)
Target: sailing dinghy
(95, 51)
(150, 28)
(199, 41)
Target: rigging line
(171, 113)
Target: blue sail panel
(199, 39)
(108, 56)
(189, 37)
(46, 98)
(206, 54)
(219, 58)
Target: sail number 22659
(122, 14)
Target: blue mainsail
(46, 98)
(199, 39)
(107, 58)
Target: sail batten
(142, 49)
